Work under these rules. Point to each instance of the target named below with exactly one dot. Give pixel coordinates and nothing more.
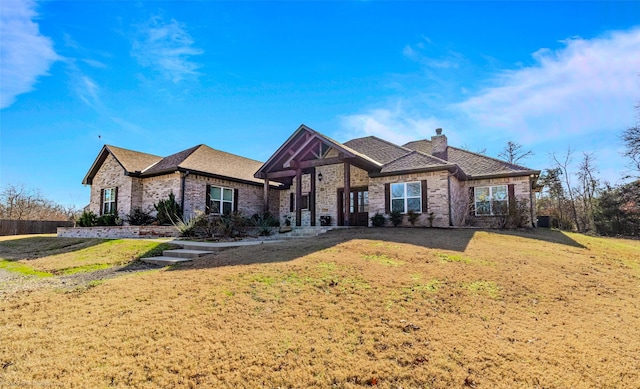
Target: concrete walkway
(192, 250)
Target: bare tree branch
(513, 153)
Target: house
(306, 180)
(122, 180)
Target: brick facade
(145, 192)
(112, 175)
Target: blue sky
(160, 77)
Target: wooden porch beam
(312, 198)
(265, 196)
(347, 193)
(298, 197)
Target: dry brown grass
(389, 308)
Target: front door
(358, 207)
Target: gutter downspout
(533, 223)
(182, 188)
(449, 196)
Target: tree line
(578, 200)
(18, 202)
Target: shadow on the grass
(38, 246)
(433, 238)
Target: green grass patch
(17, 267)
(453, 258)
(382, 259)
(85, 269)
(484, 287)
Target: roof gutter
(452, 168)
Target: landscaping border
(119, 232)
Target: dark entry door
(358, 207)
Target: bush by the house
(139, 217)
(265, 219)
(109, 220)
(87, 219)
(190, 226)
(169, 211)
(396, 218)
(378, 220)
(413, 217)
(265, 223)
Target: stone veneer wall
(326, 192)
(437, 196)
(111, 175)
(119, 232)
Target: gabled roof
(204, 159)
(473, 164)
(200, 159)
(131, 161)
(307, 148)
(415, 160)
(377, 149)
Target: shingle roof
(472, 164)
(132, 161)
(414, 160)
(378, 149)
(203, 158)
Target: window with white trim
(221, 200)
(406, 196)
(491, 200)
(109, 201)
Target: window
(406, 196)
(359, 201)
(109, 201)
(304, 204)
(491, 200)
(221, 200)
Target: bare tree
(588, 189)
(17, 202)
(631, 140)
(513, 152)
(563, 165)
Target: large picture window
(406, 196)
(491, 200)
(221, 200)
(109, 201)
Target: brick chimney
(439, 145)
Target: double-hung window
(221, 200)
(109, 201)
(491, 200)
(406, 196)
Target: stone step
(165, 261)
(186, 253)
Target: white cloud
(166, 47)
(25, 54)
(581, 95)
(396, 125)
(585, 87)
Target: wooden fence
(19, 227)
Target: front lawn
(387, 308)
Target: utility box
(325, 221)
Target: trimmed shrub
(378, 220)
(396, 218)
(138, 217)
(88, 219)
(169, 211)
